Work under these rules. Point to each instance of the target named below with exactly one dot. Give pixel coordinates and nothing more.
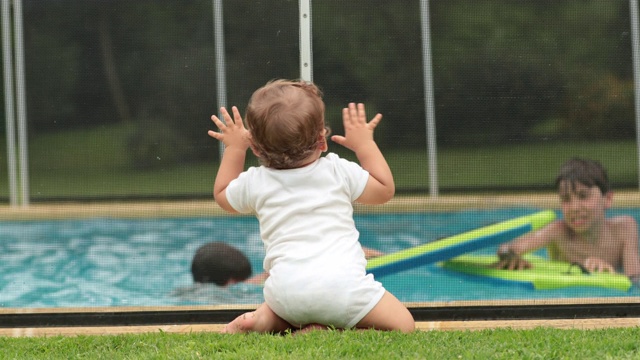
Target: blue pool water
(146, 262)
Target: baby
(304, 204)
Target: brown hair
(584, 171)
(286, 121)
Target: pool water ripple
(146, 262)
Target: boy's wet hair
(217, 262)
(584, 171)
(286, 122)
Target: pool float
(453, 246)
(544, 274)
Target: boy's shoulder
(623, 228)
(624, 221)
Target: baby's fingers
(237, 118)
(221, 125)
(358, 113)
(375, 121)
(340, 140)
(215, 135)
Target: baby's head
(219, 263)
(286, 122)
(583, 171)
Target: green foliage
(156, 145)
(97, 162)
(601, 110)
(501, 68)
(539, 343)
(506, 72)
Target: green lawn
(540, 343)
(95, 163)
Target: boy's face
(583, 207)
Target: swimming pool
(146, 262)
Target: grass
(539, 343)
(96, 163)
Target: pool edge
(204, 208)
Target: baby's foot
(242, 324)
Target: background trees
(505, 71)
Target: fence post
(432, 152)
(306, 47)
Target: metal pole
(306, 53)
(221, 71)
(635, 46)
(9, 103)
(429, 103)
(21, 102)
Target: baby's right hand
(358, 132)
(511, 261)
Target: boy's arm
(359, 138)
(532, 241)
(630, 253)
(510, 253)
(258, 279)
(236, 140)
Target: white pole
(9, 104)
(635, 46)
(306, 54)
(21, 102)
(221, 71)
(432, 152)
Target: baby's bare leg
(261, 320)
(388, 314)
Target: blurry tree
(501, 67)
(504, 67)
(370, 51)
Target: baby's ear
(254, 150)
(322, 144)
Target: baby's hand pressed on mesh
(357, 132)
(232, 131)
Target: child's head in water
(286, 122)
(219, 263)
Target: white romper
(315, 262)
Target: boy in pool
(303, 202)
(584, 236)
(223, 265)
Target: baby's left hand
(594, 264)
(232, 131)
